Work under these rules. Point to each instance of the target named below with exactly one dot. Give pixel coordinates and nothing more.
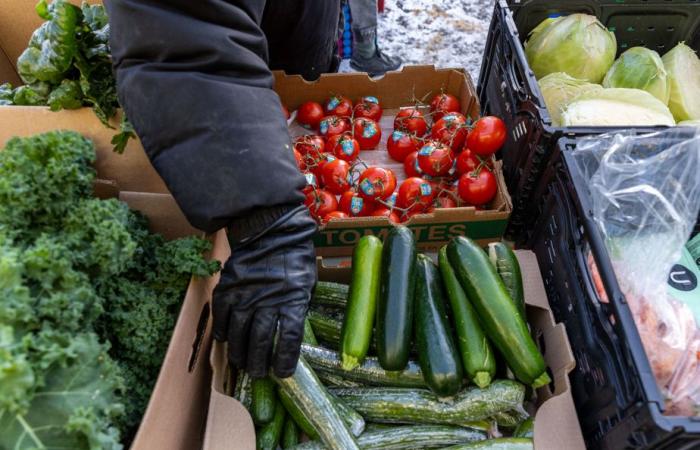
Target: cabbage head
(617, 107)
(559, 89)
(683, 67)
(640, 68)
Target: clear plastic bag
(645, 192)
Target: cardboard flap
(131, 170)
(557, 431)
(229, 424)
(164, 215)
(7, 70)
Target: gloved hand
(265, 289)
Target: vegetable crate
(617, 399)
(508, 88)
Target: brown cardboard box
(395, 90)
(556, 422)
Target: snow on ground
(447, 33)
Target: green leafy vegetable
(89, 300)
(640, 68)
(683, 66)
(126, 132)
(31, 94)
(6, 94)
(66, 96)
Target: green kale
(7, 94)
(31, 94)
(66, 96)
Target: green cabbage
(578, 45)
(617, 107)
(640, 68)
(683, 67)
(559, 89)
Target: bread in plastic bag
(645, 195)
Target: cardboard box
(556, 422)
(396, 90)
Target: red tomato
(300, 160)
(435, 159)
(343, 146)
(467, 161)
(415, 194)
(443, 103)
(487, 136)
(311, 182)
(309, 143)
(353, 205)
(367, 133)
(383, 211)
(410, 165)
(445, 201)
(320, 202)
(335, 176)
(477, 188)
(411, 120)
(310, 115)
(369, 108)
(285, 111)
(376, 183)
(334, 215)
(400, 145)
(338, 106)
(316, 164)
(332, 125)
(452, 130)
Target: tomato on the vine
(352, 204)
(376, 183)
(367, 133)
(442, 104)
(334, 215)
(344, 146)
(339, 106)
(369, 108)
(311, 182)
(316, 163)
(445, 201)
(333, 125)
(309, 143)
(467, 161)
(477, 188)
(401, 144)
(412, 121)
(335, 176)
(415, 194)
(435, 159)
(487, 136)
(310, 114)
(300, 160)
(452, 130)
(410, 165)
(320, 202)
(383, 211)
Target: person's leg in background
(366, 55)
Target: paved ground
(447, 33)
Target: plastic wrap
(645, 193)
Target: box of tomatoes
(409, 147)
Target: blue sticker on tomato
(356, 205)
(311, 179)
(371, 99)
(397, 135)
(347, 147)
(426, 150)
(332, 103)
(323, 127)
(391, 201)
(425, 189)
(367, 187)
(369, 130)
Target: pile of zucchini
(410, 355)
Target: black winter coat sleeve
(193, 79)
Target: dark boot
(366, 56)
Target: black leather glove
(265, 289)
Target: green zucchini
(268, 436)
(309, 336)
(501, 320)
(511, 419)
(354, 421)
(330, 379)
(508, 267)
(478, 358)
(496, 444)
(369, 372)
(243, 390)
(437, 352)
(356, 333)
(290, 434)
(326, 329)
(406, 405)
(395, 301)
(310, 398)
(331, 294)
(415, 436)
(296, 414)
(263, 404)
(526, 429)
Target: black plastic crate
(617, 399)
(508, 88)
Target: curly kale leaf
(7, 94)
(76, 402)
(41, 179)
(67, 95)
(126, 132)
(31, 94)
(53, 45)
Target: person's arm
(192, 78)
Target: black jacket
(194, 79)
